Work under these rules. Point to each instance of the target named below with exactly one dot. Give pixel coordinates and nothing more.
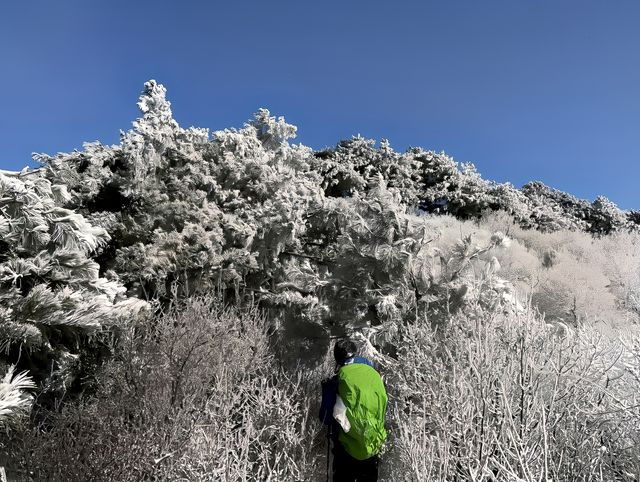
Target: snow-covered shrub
(53, 299)
(575, 277)
(197, 395)
(621, 265)
(509, 399)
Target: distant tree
(633, 219)
(552, 210)
(353, 164)
(605, 217)
(438, 174)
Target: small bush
(195, 396)
(508, 398)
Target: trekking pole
(328, 449)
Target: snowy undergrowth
(487, 332)
(508, 398)
(490, 396)
(197, 395)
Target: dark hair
(344, 350)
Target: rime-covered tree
(243, 209)
(188, 212)
(605, 217)
(353, 164)
(54, 302)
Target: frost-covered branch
(14, 398)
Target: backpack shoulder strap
(359, 359)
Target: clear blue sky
(525, 89)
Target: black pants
(348, 469)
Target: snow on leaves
(51, 291)
(335, 239)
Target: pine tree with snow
(54, 300)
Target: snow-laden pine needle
(14, 398)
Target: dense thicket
(411, 253)
(196, 396)
(56, 306)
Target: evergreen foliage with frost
(340, 240)
(53, 298)
(14, 396)
(189, 212)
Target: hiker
(354, 403)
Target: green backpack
(362, 391)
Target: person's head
(343, 350)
